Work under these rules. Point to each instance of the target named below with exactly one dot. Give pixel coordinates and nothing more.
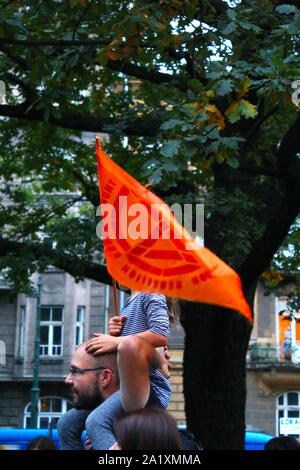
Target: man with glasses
(92, 379)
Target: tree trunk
(214, 379)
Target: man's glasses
(73, 371)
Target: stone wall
(177, 406)
(260, 406)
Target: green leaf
(171, 124)
(195, 84)
(170, 148)
(233, 162)
(286, 9)
(170, 166)
(233, 113)
(250, 26)
(224, 87)
(294, 26)
(231, 13)
(73, 3)
(230, 28)
(248, 110)
(231, 142)
(156, 176)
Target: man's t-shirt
(149, 312)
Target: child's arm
(157, 340)
(102, 344)
(108, 343)
(161, 354)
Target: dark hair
(173, 309)
(282, 443)
(147, 429)
(41, 443)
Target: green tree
(206, 94)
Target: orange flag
(147, 250)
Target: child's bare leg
(134, 357)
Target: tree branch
(28, 89)
(89, 190)
(18, 60)
(139, 126)
(152, 76)
(277, 229)
(123, 66)
(256, 126)
(86, 9)
(45, 217)
(75, 266)
(287, 159)
(262, 252)
(60, 43)
(261, 171)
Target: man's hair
(107, 360)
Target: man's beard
(88, 400)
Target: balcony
(269, 354)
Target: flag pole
(97, 141)
(113, 280)
(115, 297)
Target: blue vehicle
(18, 439)
(256, 440)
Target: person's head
(41, 443)
(282, 443)
(92, 378)
(147, 429)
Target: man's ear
(105, 378)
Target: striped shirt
(149, 312)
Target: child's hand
(115, 325)
(101, 344)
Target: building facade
(70, 313)
(273, 366)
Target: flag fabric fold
(147, 249)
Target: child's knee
(132, 346)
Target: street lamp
(35, 391)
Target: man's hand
(115, 325)
(101, 344)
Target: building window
(79, 325)
(288, 406)
(22, 331)
(288, 332)
(50, 409)
(51, 333)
